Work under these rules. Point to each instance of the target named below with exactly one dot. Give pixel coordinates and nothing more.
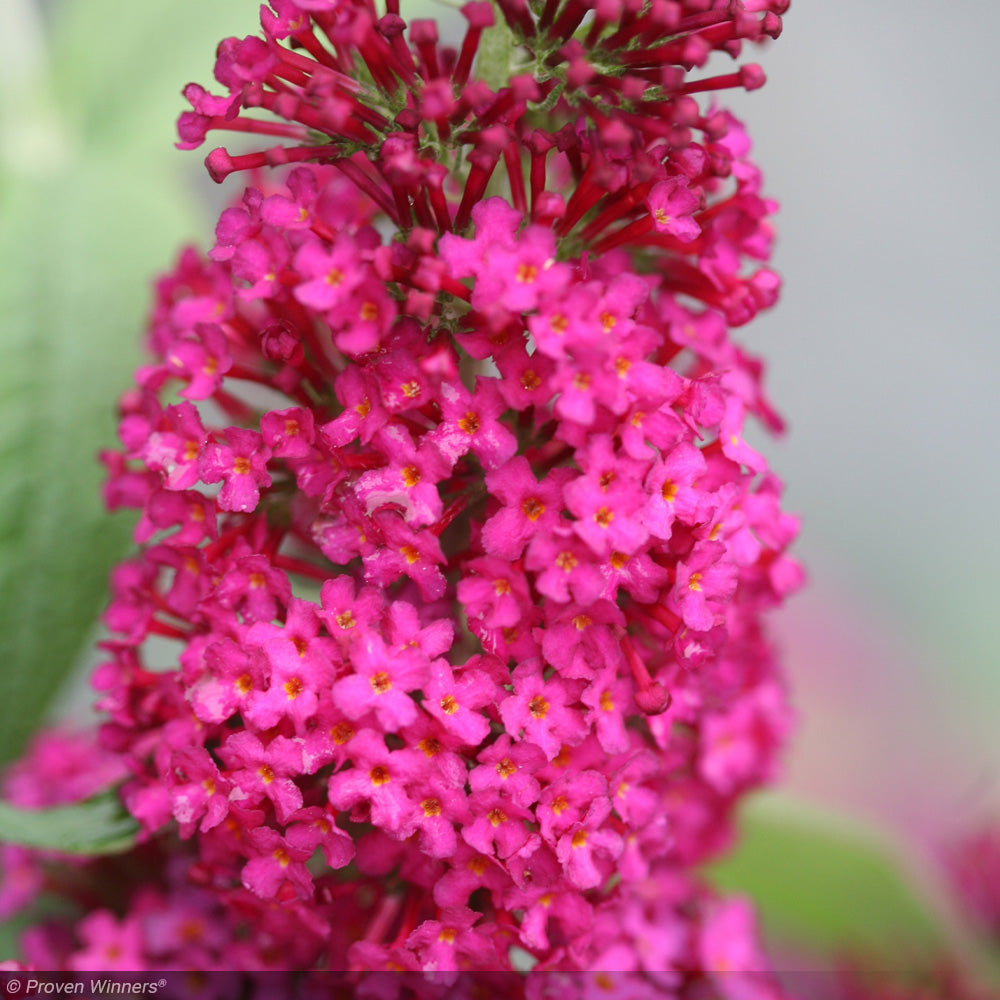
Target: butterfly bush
(442, 645)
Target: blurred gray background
(878, 133)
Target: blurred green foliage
(94, 201)
(825, 886)
(97, 826)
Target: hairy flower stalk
(448, 524)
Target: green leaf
(97, 826)
(72, 295)
(824, 886)
(10, 933)
(93, 204)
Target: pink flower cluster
(443, 641)
(974, 865)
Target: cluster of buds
(442, 649)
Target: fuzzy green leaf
(825, 887)
(73, 292)
(96, 826)
(92, 205)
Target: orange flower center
(505, 768)
(566, 561)
(380, 682)
(538, 707)
(341, 733)
(533, 508)
(604, 516)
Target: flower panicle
(444, 627)
(615, 103)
